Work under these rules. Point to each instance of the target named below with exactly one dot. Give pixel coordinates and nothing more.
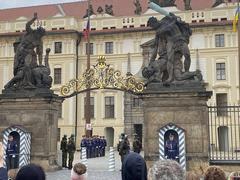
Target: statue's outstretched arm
(29, 23)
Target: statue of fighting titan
(170, 46)
(28, 70)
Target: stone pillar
(185, 108)
(39, 116)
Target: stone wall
(38, 116)
(186, 109)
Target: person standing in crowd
(94, 145)
(64, 151)
(124, 148)
(137, 145)
(31, 172)
(166, 170)
(83, 143)
(214, 173)
(134, 167)
(79, 172)
(98, 146)
(104, 145)
(11, 153)
(3, 171)
(88, 146)
(71, 147)
(171, 148)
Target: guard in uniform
(11, 153)
(88, 145)
(71, 148)
(83, 143)
(137, 145)
(171, 148)
(64, 151)
(104, 145)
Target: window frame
(56, 50)
(109, 47)
(219, 40)
(57, 76)
(109, 107)
(221, 71)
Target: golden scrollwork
(102, 76)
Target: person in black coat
(134, 167)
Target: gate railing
(224, 134)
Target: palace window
(91, 107)
(108, 47)
(91, 48)
(219, 40)
(57, 47)
(137, 102)
(220, 71)
(109, 107)
(221, 99)
(57, 75)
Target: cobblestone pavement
(97, 169)
(92, 175)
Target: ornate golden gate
(101, 76)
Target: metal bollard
(84, 156)
(111, 161)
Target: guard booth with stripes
(23, 139)
(179, 136)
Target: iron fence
(224, 134)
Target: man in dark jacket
(137, 145)
(134, 167)
(71, 147)
(64, 151)
(124, 148)
(3, 173)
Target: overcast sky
(5, 4)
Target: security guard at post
(11, 153)
(104, 145)
(83, 143)
(71, 148)
(64, 151)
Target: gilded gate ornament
(102, 76)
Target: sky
(6, 4)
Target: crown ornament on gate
(102, 76)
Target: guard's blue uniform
(89, 146)
(83, 144)
(104, 145)
(171, 149)
(11, 153)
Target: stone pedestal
(38, 115)
(187, 109)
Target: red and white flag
(87, 30)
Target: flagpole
(238, 30)
(87, 110)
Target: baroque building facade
(121, 36)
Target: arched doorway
(109, 133)
(223, 138)
(179, 136)
(23, 138)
